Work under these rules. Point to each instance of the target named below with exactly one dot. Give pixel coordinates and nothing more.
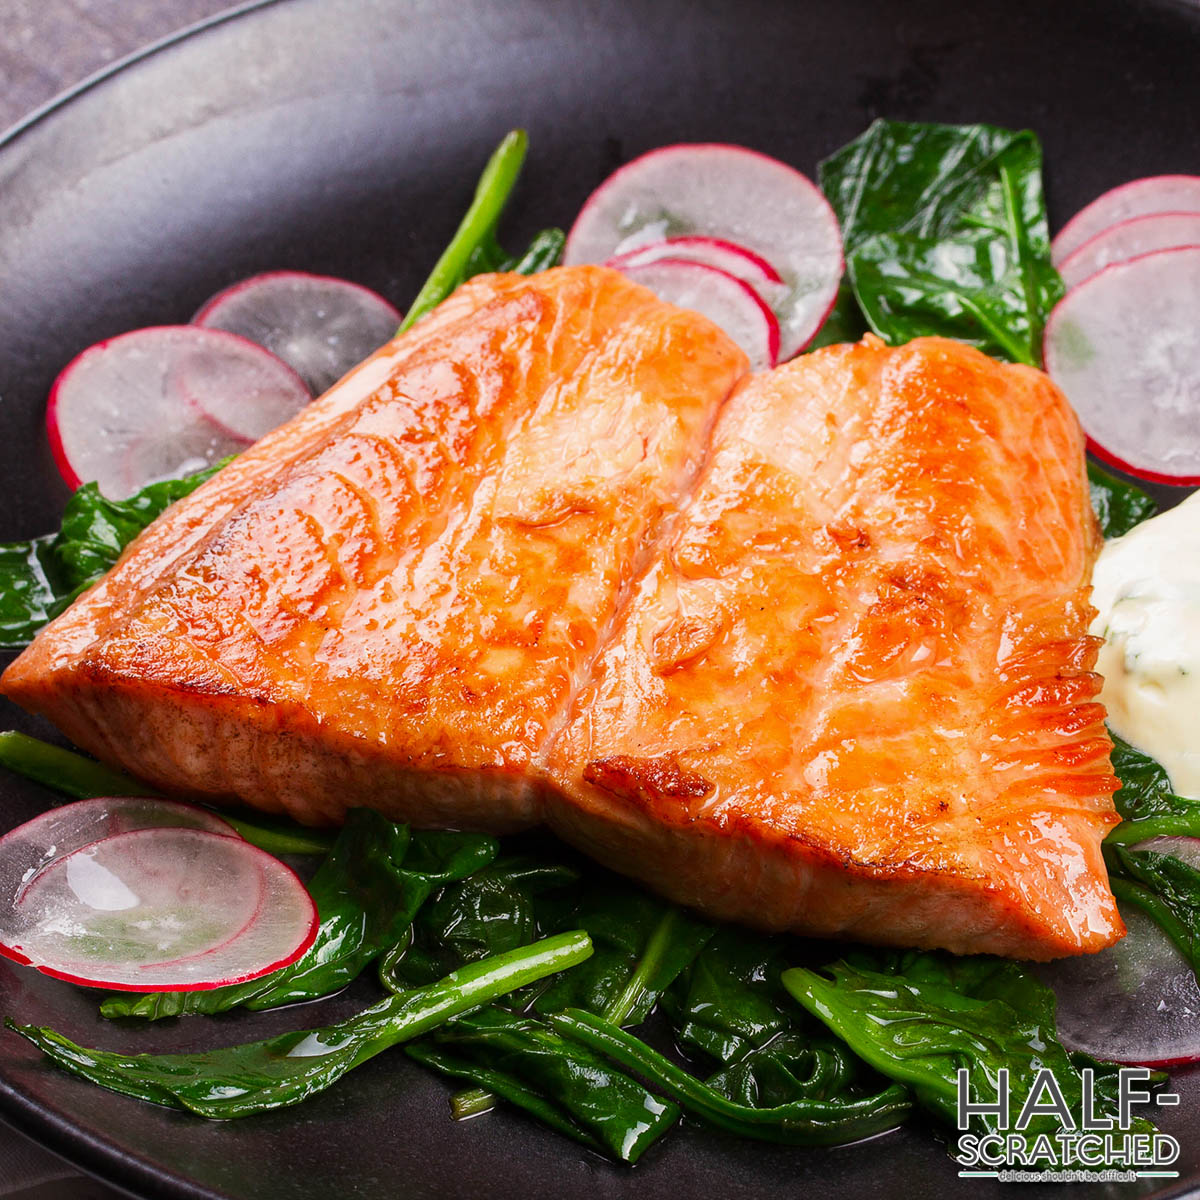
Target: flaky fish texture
(811, 655)
(390, 600)
(853, 695)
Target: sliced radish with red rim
(27, 849)
(725, 300)
(179, 906)
(320, 326)
(1136, 1002)
(730, 194)
(1129, 239)
(734, 260)
(1155, 194)
(162, 402)
(1125, 348)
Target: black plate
(344, 136)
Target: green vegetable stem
(474, 249)
(75, 775)
(561, 1082)
(252, 1078)
(807, 1121)
(917, 1018)
(64, 770)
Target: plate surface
(344, 136)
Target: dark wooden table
(45, 47)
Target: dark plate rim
(13, 132)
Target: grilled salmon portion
(391, 600)
(853, 694)
(814, 658)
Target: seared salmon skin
(853, 695)
(806, 650)
(391, 600)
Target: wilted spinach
(556, 1079)
(945, 232)
(40, 577)
(918, 1018)
(641, 944)
(252, 1078)
(813, 1114)
(1119, 506)
(489, 912)
(730, 1001)
(1164, 887)
(1146, 801)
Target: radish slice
(731, 194)
(162, 402)
(1136, 1002)
(319, 326)
(1139, 235)
(1156, 194)
(1125, 348)
(725, 300)
(176, 908)
(734, 260)
(27, 849)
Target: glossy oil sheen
(344, 136)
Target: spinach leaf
(945, 233)
(808, 1118)
(81, 777)
(917, 1018)
(474, 249)
(1119, 506)
(641, 945)
(730, 1000)
(489, 912)
(240, 1080)
(791, 1066)
(367, 892)
(1146, 801)
(1164, 887)
(40, 577)
(572, 1088)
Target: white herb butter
(1147, 590)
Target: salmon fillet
(853, 695)
(818, 662)
(390, 600)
